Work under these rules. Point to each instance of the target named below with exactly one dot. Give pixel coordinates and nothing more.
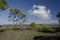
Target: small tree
(15, 15)
(33, 24)
(58, 16)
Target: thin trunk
(13, 21)
(59, 22)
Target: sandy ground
(17, 35)
(21, 35)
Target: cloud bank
(41, 12)
(44, 14)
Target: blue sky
(28, 5)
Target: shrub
(16, 29)
(0, 25)
(32, 24)
(2, 29)
(39, 28)
(46, 27)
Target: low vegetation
(32, 24)
(0, 25)
(44, 28)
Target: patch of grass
(46, 27)
(2, 29)
(15, 29)
(39, 28)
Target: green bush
(46, 27)
(32, 24)
(0, 25)
(38, 27)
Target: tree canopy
(3, 5)
(58, 15)
(15, 15)
(33, 24)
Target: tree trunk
(59, 22)
(13, 21)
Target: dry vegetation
(21, 34)
(16, 34)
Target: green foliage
(15, 15)
(38, 27)
(46, 27)
(58, 16)
(3, 4)
(23, 15)
(14, 11)
(32, 24)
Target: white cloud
(41, 12)
(44, 14)
(34, 6)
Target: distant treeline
(26, 25)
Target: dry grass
(21, 34)
(10, 34)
